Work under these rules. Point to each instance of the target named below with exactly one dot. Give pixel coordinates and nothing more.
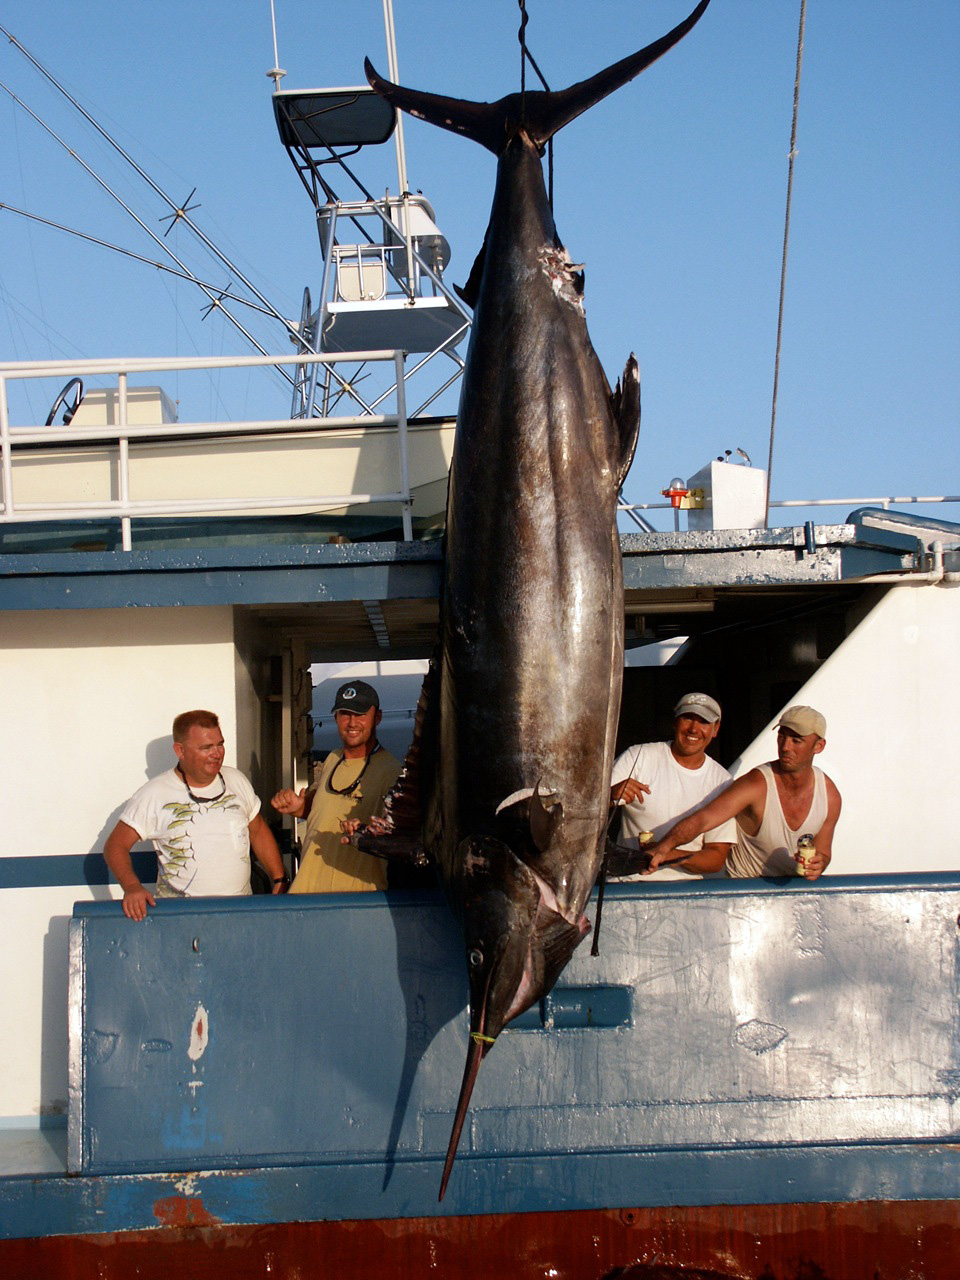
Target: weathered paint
(866, 1241)
(734, 1041)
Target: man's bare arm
(267, 854)
(116, 853)
(742, 794)
(823, 840)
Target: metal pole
(123, 464)
(5, 449)
(392, 68)
(407, 507)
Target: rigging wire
(139, 257)
(178, 210)
(783, 264)
(525, 57)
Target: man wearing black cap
(659, 782)
(352, 784)
(775, 806)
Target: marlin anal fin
(625, 403)
(538, 114)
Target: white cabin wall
(890, 695)
(91, 696)
(88, 700)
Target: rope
(525, 57)
(522, 37)
(783, 264)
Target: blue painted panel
(219, 575)
(721, 1019)
(46, 870)
(58, 1206)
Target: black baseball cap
(356, 696)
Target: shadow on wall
(158, 757)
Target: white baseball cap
(803, 720)
(698, 704)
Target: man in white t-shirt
(203, 819)
(658, 783)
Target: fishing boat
(751, 1079)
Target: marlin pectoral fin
(392, 848)
(624, 860)
(625, 403)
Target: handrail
(807, 502)
(124, 507)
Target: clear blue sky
(671, 193)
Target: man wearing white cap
(775, 805)
(659, 782)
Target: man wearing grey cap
(658, 783)
(352, 784)
(775, 806)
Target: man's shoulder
(147, 802)
(715, 771)
(645, 751)
(235, 779)
(153, 787)
(387, 762)
(828, 782)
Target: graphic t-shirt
(203, 845)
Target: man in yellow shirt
(352, 784)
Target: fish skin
(525, 693)
(531, 620)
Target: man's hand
(629, 791)
(660, 854)
(287, 801)
(816, 866)
(376, 826)
(135, 902)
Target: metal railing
(122, 433)
(884, 502)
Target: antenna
(276, 72)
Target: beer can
(805, 852)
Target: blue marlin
(518, 719)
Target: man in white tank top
(774, 805)
(659, 782)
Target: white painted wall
(891, 697)
(88, 700)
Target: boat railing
(24, 448)
(886, 502)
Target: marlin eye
(475, 957)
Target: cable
(783, 264)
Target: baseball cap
(803, 720)
(698, 704)
(356, 696)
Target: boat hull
(876, 1240)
